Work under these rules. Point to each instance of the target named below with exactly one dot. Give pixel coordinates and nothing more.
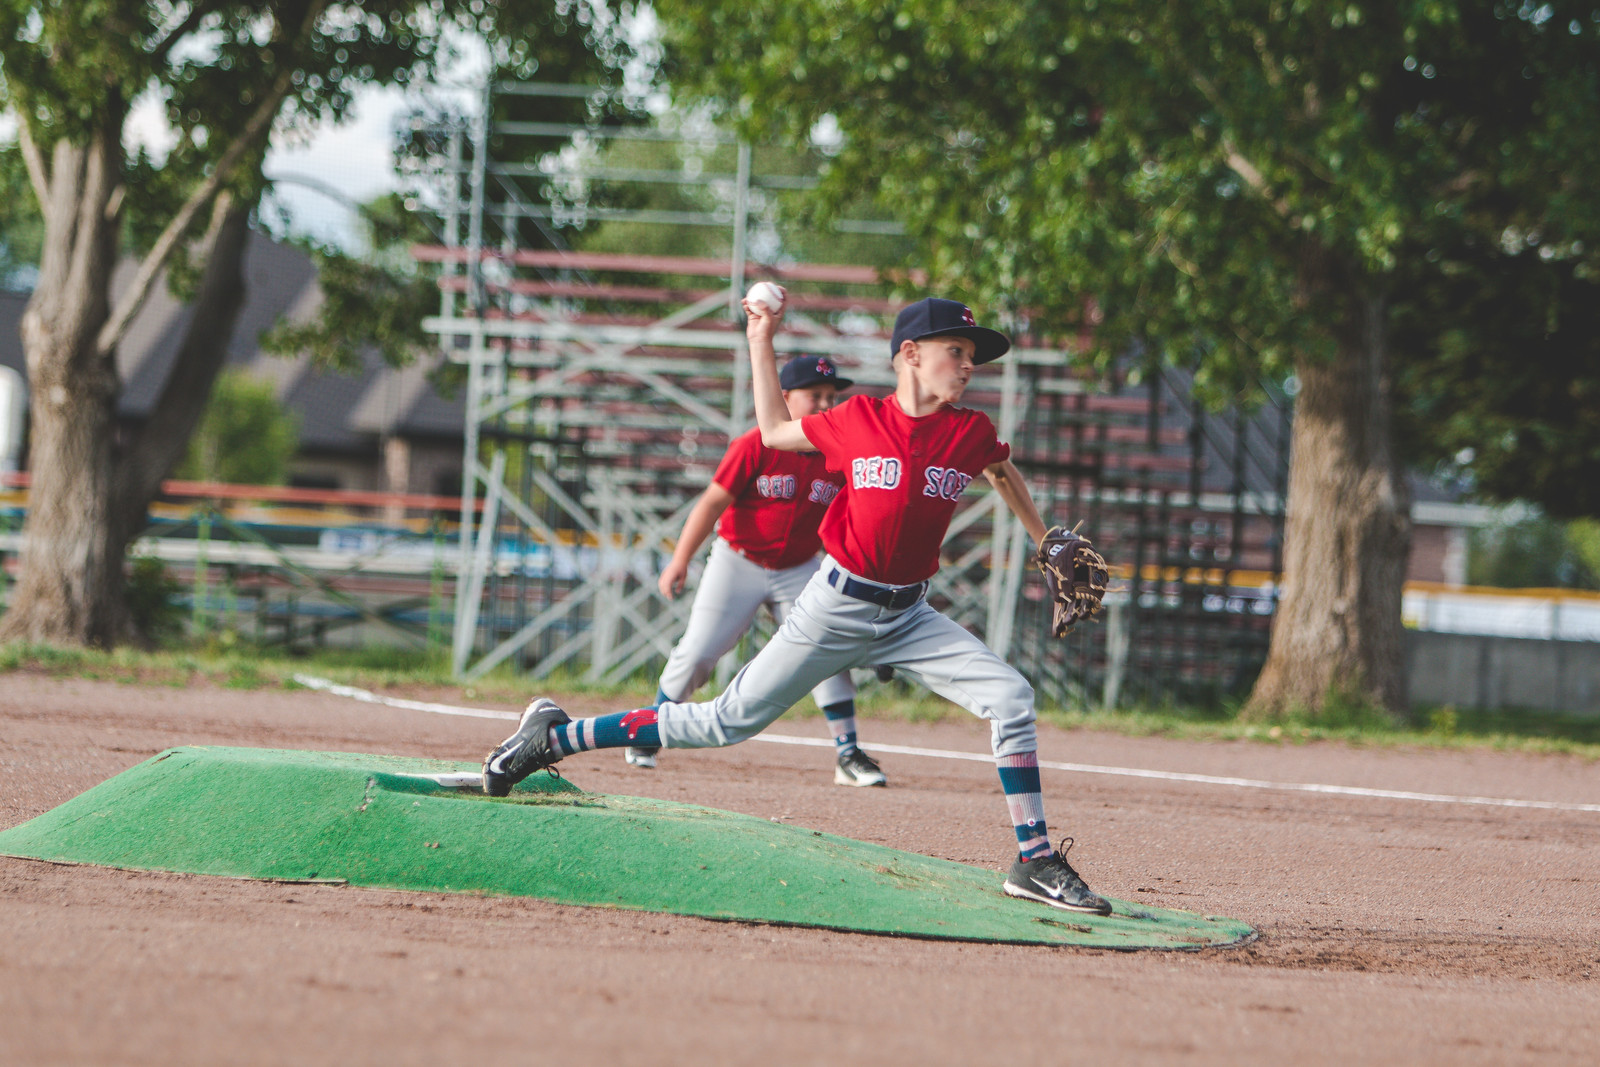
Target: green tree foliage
(1219, 175)
(152, 599)
(1504, 388)
(245, 436)
(372, 299)
(1534, 553)
(21, 227)
(1583, 536)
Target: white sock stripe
(1025, 808)
(323, 685)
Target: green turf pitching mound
(397, 823)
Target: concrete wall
(1472, 671)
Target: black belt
(893, 597)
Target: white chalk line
(326, 686)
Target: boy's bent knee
(1014, 721)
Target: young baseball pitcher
(906, 459)
(770, 505)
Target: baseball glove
(1076, 574)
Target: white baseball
(767, 295)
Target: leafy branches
(375, 300)
(1225, 177)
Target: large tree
(1298, 189)
(229, 73)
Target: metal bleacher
(602, 388)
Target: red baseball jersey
(779, 499)
(903, 477)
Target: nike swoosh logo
(498, 763)
(1054, 891)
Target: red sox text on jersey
(776, 486)
(875, 472)
(904, 477)
(883, 472)
(779, 499)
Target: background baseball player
(907, 458)
(770, 504)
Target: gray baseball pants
(732, 589)
(826, 633)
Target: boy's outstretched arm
(778, 430)
(1007, 481)
(696, 528)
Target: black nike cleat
(525, 751)
(1051, 880)
(857, 768)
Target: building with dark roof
(379, 428)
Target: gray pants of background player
(827, 632)
(732, 589)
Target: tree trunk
(87, 503)
(1337, 631)
(70, 590)
(150, 456)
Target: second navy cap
(802, 371)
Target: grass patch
(1530, 724)
(236, 666)
(1508, 730)
(1356, 725)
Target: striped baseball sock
(1019, 777)
(637, 727)
(842, 725)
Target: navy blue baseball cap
(934, 317)
(802, 371)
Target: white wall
(13, 415)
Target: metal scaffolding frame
(601, 388)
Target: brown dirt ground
(1391, 931)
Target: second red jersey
(779, 501)
(903, 476)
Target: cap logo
(824, 367)
(966, 317)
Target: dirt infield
(1391, 931)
